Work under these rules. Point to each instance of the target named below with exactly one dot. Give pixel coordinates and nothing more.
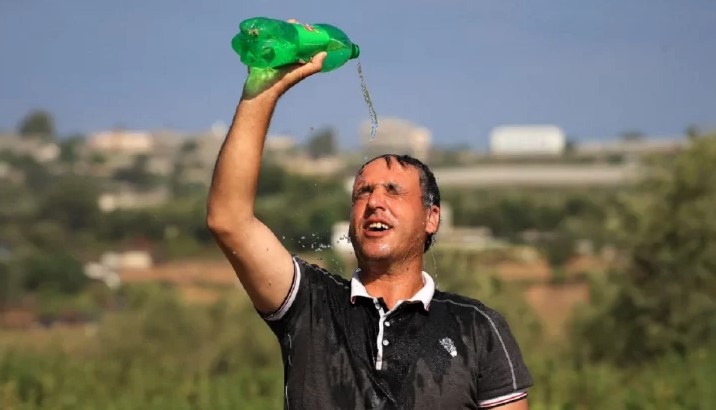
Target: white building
(110, 263)
(396, 136)
(120, 141)
(527, 140)
(125, 198)
(39, 149)
(280, 143)
(650, 145)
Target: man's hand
(276, 81)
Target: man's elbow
(223, 223)
(220, 225)
(218, 219)
(215, 224)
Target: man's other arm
(262, 264)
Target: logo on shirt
(449, 345)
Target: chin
(374, 252)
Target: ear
(432, 222)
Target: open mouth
(377, 227)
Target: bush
(58, 270)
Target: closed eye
(393, 188)
(362, 192)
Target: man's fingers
(312, 67)
(318, 58)
(316, 62)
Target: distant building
(127, 198)
(111, 263)
(208, 145)
(280, 144)
(649, 145)
(196, 154)
(121, 142)
(120, 149)
(305, 165)
(166, 143)
(527, 140)
(536, 175)
(41, 150)
(398, 136)
(473, 237)
(10, 174)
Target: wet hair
(428, 184)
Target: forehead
(379, 172)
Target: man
(386, 339)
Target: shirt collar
(424, 295)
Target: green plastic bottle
(269, 43)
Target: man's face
(389, 221)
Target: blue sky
(459, 67)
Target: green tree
(37, 176)
(39, 124)
(666, 295)
(558, 249)
(71, 202)
(272, 179)
(9, 286)
(59, 271)
(138, 173)
(322, 143)
(188, 147)
(70, 148)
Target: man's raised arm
(261, 262)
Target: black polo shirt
(343, 349)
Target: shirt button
(386, 343)
(387, 324)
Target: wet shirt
(343, 349)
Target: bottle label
(310, 28)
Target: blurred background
(574, 144)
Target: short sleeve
(304, 299)
(503, 376)
(283, 319)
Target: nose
(376, 199)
